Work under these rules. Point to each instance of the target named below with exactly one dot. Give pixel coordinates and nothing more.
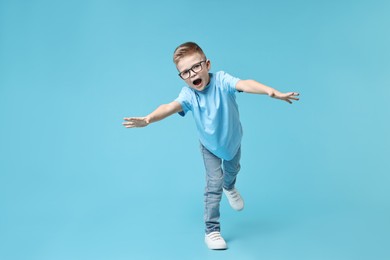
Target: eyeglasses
(196, 68)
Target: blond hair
(186, 49)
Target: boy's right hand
(131, 122)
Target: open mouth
(197, 82)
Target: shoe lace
(215, 236)
(234, 195)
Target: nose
(192, 73)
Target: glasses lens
(185, 74)
(197, 67)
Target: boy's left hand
(288, 97)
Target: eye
(185, 73)
(197, 67)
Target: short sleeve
(228, 82)
(184, 100)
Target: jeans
(216, 179)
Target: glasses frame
(192, 69)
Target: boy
(211, 98)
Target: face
(196, 80)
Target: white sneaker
(235, 200)
(215, 241)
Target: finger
(131, 122)
(136, 119)
(293, 99)
(292, 94)
(132, 118)
(128, 123)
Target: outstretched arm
(160, 113)
(254, 87)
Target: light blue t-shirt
(216, 114)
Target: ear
(208, 64)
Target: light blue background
(75, 184)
